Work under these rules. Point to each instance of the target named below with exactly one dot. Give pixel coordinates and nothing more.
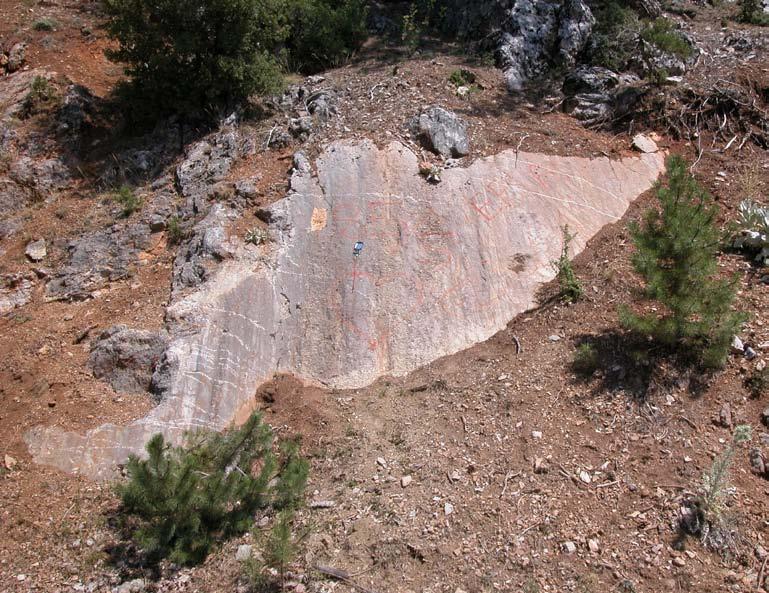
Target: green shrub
(175, 231)
(615, 36)
(676, 255)
(752, 13)
(192, 56)
(571, 287)
(128, 200)
(41, 97)
(187, 498)
(585, 361)
(324, 33)
(45, 24)
(662, 34)
(462, 77)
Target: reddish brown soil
(461, 428)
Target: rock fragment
(643, 143)
(442, 132)
(243, 553)
(36, 250)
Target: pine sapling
(184, 499)
(676, 249)
(571, 287)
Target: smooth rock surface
(443, 267)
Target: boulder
(126, 358)
(442, 132)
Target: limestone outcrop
(439, 268)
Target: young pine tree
(676, 255)
(571, 287)
(186, 498)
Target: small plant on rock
(676, 249)
(41, 97)
(128, 200)
(571, 287)
(662, 34)
(175, 231)
(180, 501)
(257, 236)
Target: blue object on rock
(357, 248)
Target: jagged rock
(16, 57)
(207, 244)
(757, 461)
(595, 94)
(36, 250)
(74, 113)
(536, 34)
(207, 163)
(441, 131)
(590, 79)
(97, 258)
(126, 358)
(39, 178)
(15, 291)
(300, 127)
(279, 138)
(321, 104)
(301, 163)
(738, 346)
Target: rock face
(126, 358)
(441, 131)
(441, 267)
(536, 33)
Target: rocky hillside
(366, 257)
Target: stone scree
(442, 267)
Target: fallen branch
(343, 576)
